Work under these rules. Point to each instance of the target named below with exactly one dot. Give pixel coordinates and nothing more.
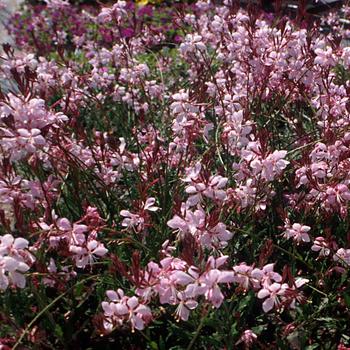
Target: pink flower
(149, 204)
(132, 221)
(248, 338)
(198, 224)
(137, 221)
(116, 12)
(343, 256)
(292, 295)
(184, 307)
(274, 164)
(243, 276)
(198, 186)
(15, 259)
(324, 57)
(320, 245)
(297, 232)
(273, 294)
(123, 309)
(266, 276)
(192, 44)
(211, 280)
(86, 255)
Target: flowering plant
(174, 177)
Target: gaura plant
(174, 177)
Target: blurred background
(293, 8)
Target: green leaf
(161, 343)
(258, 329)
(58, 331)
(153, 345)
(347, 299)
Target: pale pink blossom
(15, 260)
(343, 256)
(321, 246)
(123, 309)
(247, 338)
(273, 294)
(297, 232)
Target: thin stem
(317, 290)
(296, 257)
(45, 309)
(198, 330)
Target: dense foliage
(174, 177)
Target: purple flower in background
(178, 39)
(145, 11)
(127, 33)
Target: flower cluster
(122, 309)
(78, 240)
(15, 260)
(189, 161)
